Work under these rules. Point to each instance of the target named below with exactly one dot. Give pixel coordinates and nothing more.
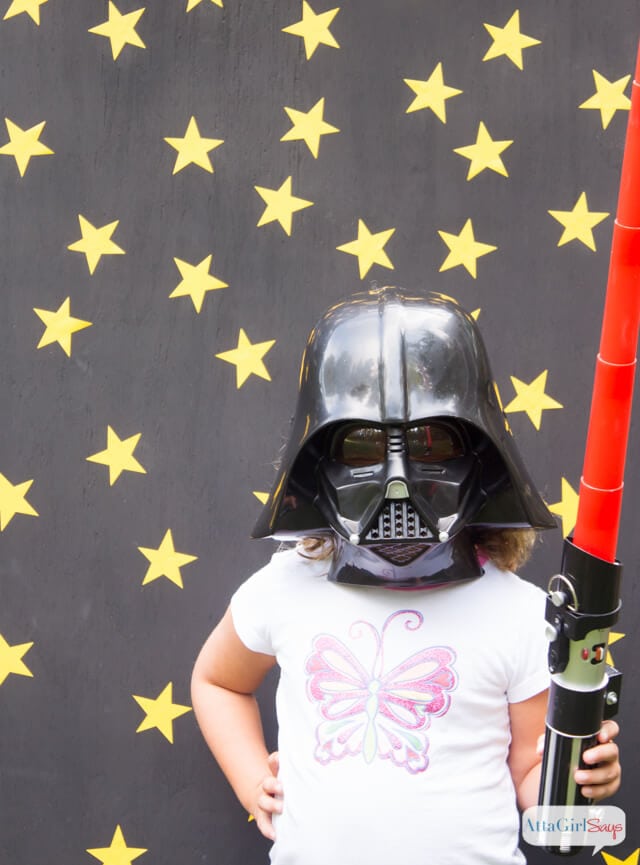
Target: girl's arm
(225, 677)
(527, 723)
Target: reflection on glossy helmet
(399, 443)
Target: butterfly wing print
(368, 711)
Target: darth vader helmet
(399, 445)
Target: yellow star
(508, 40)
(118, 456)
(13, 501)
(431, 93)
(117, 853)
(262, 497)
(531, 398)
(165, 561)
(476, 313)
(247, 358)
(191, 4)
(161, 712)
(610, 859)
(31, 7)
(608, 98)
(96, 242)
(196, 281)
(578, 223)
(120, 29)
(192, 148)
(485, 153)
(60, 325)
(567, 507)
(314, 29)
(11, 658)
(23, 144)
(369, 248)
(309, 126)
(464, 249)
(613, 638)
(281, 205)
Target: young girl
(413, 671)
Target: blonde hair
(508, 549)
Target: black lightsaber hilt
(582, 605)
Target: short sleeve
(529, 673)
(251, 608)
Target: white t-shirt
(393, 712)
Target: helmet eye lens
(434, 443)
(360, 446)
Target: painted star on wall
(368, 248)
(247, 358)
(117, 853)
(31, 7)
(23, 144)
(314, 29)
(281, 205)
(579, 222)
(191, 4)
(608, 98)
(432, 93)
(13, 501)
(632, 859)
(263, 498)
(613, 639)
(532, 399)
(567, 507)
(464, 249)
(118, 456)
(309, 126)
(485, 153)
(120, 29)
(60, 325)
(196, 281)
(96, 242)
(160, 712)
(508, 41)
(165, 561)
(193, 149)
(11, 658)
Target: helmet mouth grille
(399, 521)
(399, 554)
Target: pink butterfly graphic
(374, 712)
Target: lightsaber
(583, 601)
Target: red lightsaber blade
(583, 601)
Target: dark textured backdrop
(85, 768)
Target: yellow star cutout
(117, 853)
(161, 712)
(281, 205)
(464, 249)
(118, 456)
(309, 126)
(11, 658)
(608, 98)
(369, 248)
(120, 29)
(579, 222)
(314, 29)
(509, 41)
(610, 859)
(613, 639)
(531, 398)
(431, 93)
(567, 507)
(247, 358)
(263, 498)
(196, 281)
(165, 561)
(31, 7)
(24, 144)
(13, 501)
(485, 153)
(96, 242)
(60, 325)
(193, 3)
(193, 149)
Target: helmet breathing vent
(398, 520)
